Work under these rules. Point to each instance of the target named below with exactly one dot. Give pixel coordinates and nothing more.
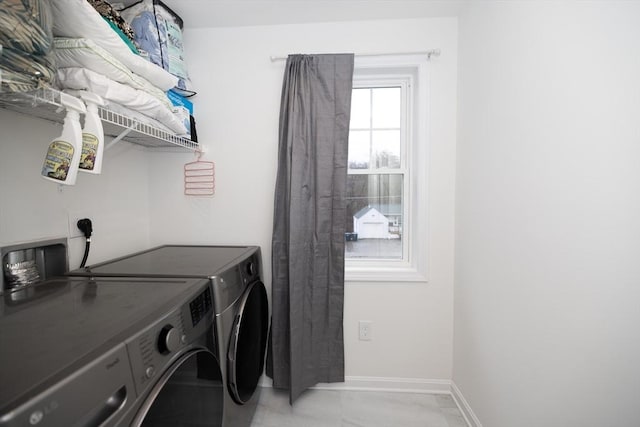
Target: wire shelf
(45, 103)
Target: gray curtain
(307, 345)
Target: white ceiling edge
(239, 13)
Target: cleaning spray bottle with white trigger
(63, 155)
(92, 134)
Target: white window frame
(396, 70)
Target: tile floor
(331, 408)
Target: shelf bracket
(124, 133)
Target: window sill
(388, 274)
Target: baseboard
(400, 385)
(467, 412)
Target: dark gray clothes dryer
(240, 309)
(78, 351)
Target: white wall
(32, 208)
(237, 112)
(547, 301)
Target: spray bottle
(63, 156)
(92, 134)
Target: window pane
(359, 149)
(374, 217)
(386, 107)
(360, 109)
(386, 148)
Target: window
(386, 183)
(375, 184)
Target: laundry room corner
(237, 113)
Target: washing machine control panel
(200, 306)
(156, 347)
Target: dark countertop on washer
(49, 330)
(172, 261)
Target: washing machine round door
(188, 393)
(248, 344)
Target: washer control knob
(150, 371)
(168, 340)
(251, 268)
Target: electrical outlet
(365, 330)
(74, 216)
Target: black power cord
(85, 226)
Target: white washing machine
(78, 351)
(240, 308)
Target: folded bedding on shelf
(134, 99)
(78, 19)
(106, 10)
(85, 53)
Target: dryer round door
(188, 393)
(248, 344)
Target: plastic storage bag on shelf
(26, 25)
(26, 41)
(21, 72)
(158, 32)
(15, 82)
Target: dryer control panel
(156, 347)
(251, 269)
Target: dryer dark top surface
(173, 261)
(49, 330)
